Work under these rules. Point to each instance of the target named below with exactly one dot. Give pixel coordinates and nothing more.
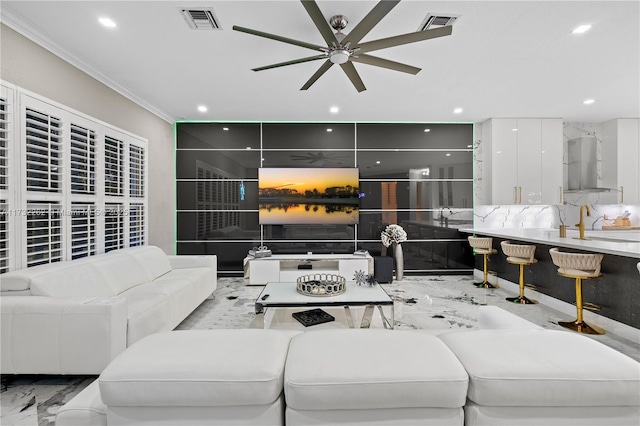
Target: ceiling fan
(319, 158)
(344, 49)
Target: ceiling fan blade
(384, 43)
(385, 63)
(279, 38)
(327, 64)
(321, 23)
(376, 14)
(293, 62)
(353, 75)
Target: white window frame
(17, 197)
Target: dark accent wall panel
(408, 176)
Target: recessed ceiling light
(448, 154)
(378, 162)
(457, 111)
(225, 129)
(202, 108)
(589, 101)
(581, 29)
(427, 130)
(334, 110)
(248, 147)
(107, 22)
(514, 130)
(469, 146)
(329, 130)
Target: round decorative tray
(321, 285)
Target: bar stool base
(522, 300)
(486, 285)
(581, 327)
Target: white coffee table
(285, 295)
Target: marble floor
(420, 302)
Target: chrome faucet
(581, 224)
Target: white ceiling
(504, 59)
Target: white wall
(31, 67)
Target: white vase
(397, 253)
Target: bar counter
(617, 292)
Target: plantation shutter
(114, 227)
(83, 230)
(43, 152)
(113, 166)
(4, 237)
(4, 143)
(136, 225)
(136, 171)
(83, 160)
(44, 233)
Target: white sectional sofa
(510, 376)
(74, 317)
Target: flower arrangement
(393, 234)
(361, 278)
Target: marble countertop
(620, 243)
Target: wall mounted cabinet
(620, 159)
(525, 160)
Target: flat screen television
(288, 196)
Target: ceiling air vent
(201, 19)
(437, 20)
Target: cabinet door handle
(515, 195)
(621, 194)
(520, 191)
(561, 196)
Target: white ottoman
(373, 377)
(85, 409)
(213, 377)
(544, 377)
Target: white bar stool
(522, 255)
(483, 246)
(581, 266)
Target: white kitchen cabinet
(620, 159)
(525, 160)
(552, 166)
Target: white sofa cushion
(199, 368)
(77, 279)
(120, 271)
(20, 280)
(372, 369)
(149, 311)
(152, 259)
(544, 368)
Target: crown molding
(17, 23)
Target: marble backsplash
(550, 216)
(601, 204)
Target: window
(70, 185)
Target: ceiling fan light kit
(344, 49)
